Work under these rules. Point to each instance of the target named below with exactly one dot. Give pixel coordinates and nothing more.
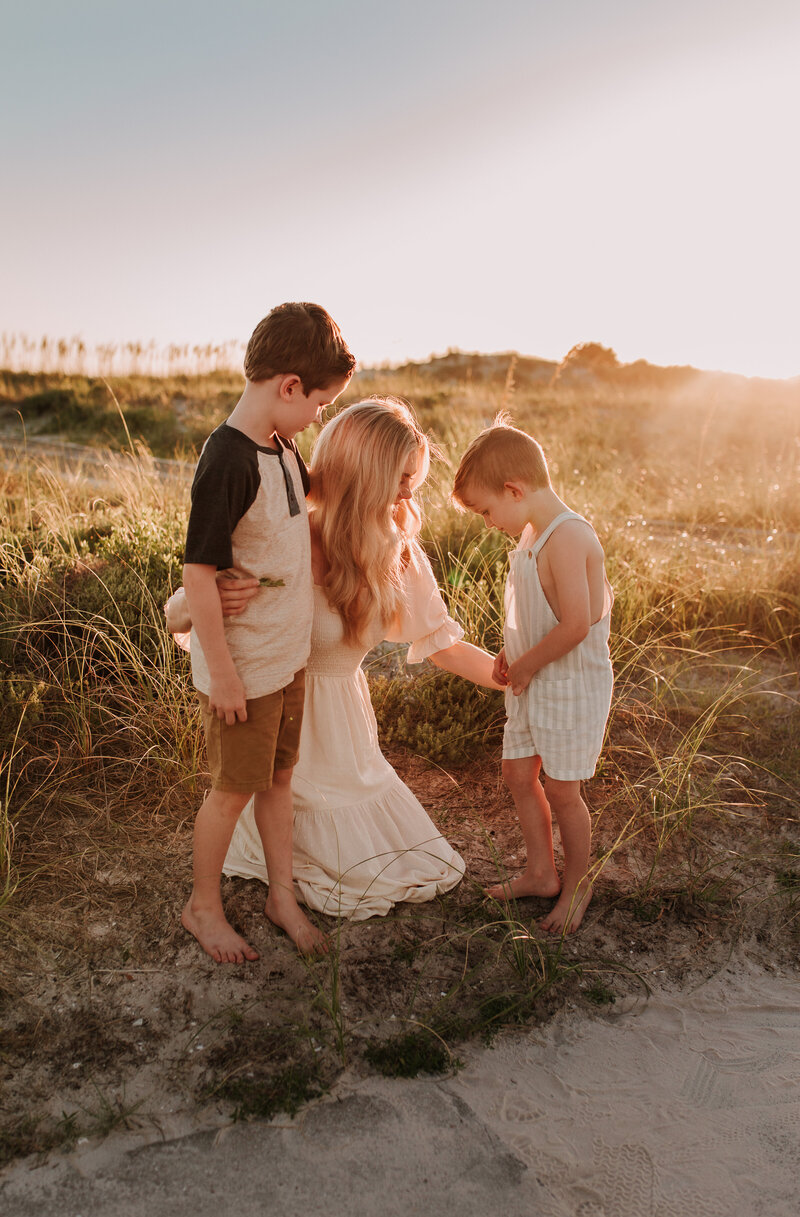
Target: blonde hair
(367, 539)
(498, 455)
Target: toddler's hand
(519, 677)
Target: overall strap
(553, 525)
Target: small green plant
(261, 1098)
(109, 1113)
(68, 1128)
(600, 995)
(405, 952)
(647, 911)
(412, 1053)
(327, 977)
(500, 1010)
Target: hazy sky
(493, 175)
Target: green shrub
(404, 1056)
(79, 410)
(22, 705)
(261, 1098)
(106, 580)
(437, 715)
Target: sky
(488, 175)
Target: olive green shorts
(242, 757)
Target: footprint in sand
(713, 1083)
(625, 1177)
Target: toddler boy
(554, 662)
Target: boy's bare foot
(569, 909)
(526, 884)
(217, 936)
(284, 911)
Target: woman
(362, 841)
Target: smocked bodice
(330, 655)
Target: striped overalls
(562, 714)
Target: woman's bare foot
(217, 936)
(569, 909)
(527, 884)
(284, 911)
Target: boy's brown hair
(498, 455)
(302, 339)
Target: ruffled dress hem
(357, 862)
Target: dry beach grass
(110, 1015)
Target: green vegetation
(262, 1098)
(692, 483)
(171, 415)
(600, 994)
(405, 1056)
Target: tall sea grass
(101, 764)
(696, 503)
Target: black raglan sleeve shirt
(224, 489)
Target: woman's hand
(500, 669)
(235, 591)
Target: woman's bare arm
(468, 661)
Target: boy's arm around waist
(226, 692)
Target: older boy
(554, 662)
(248, 514)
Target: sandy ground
(120, 1042)
(686, 1103)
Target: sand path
(685, 1106)
(689, 1106)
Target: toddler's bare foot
(569, 909)
(529, 883)
(284, 911)
(217, 936)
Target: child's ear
(515, 489)
(290, 386)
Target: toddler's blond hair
(500, 454)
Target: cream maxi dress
(362, 841)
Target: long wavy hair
(367, 538)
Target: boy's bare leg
(575, 826)
(203, 914)
(540, 877)
(273, 816)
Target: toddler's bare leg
(273, 816)
(575, 826)
(539, 877)
(203, 914)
